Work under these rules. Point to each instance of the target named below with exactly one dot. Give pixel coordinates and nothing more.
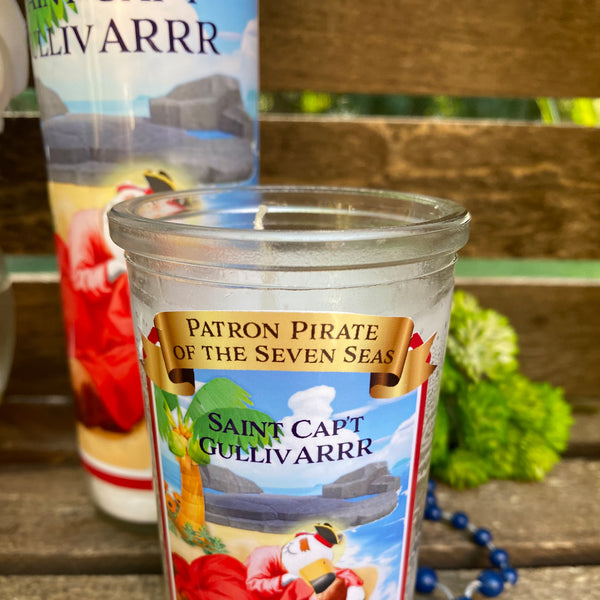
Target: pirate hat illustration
(326, 534)
(320, 573)
(159, 181)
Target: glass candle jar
(292, 341)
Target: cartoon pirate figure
(302, 569)
(102, 358)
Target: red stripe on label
(415, 341)
(124, 482)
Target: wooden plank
(541, 584)
(471, 48)
(37, 429)
(558, 330)
(50, 526)
(40, 364)
(74, 587)
(585, 437)
(558, 327)
(556, 522)
(534, 191)
(25, 221)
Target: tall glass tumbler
(291, 341)
(135, 97)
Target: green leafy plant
(203, 539)
(580, 111)
(43, 17)
(219, 418)
(493, 422)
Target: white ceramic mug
(14, 65)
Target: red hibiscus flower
(210, 577)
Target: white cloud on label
(400, 445)
(312, 411)
(250, 40)
(230, 36)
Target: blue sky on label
(326, 398)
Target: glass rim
(451, 215)
(305, 227)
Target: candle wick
(260, 215)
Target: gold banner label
(286, 341)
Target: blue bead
(482, 537)
(459, 520)
(433, 513)
(431, 486)
(426, 580)
(490, 584)
(510, 575)
(499, 557)
(430, 500)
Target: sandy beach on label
(67, 198)
(241, 542)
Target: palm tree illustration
(221, 401)
(43, 17)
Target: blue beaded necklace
(491, 582)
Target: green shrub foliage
(493, 422)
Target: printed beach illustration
(324, 455)
(200, 128)
(157, 101)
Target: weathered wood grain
(37, 429)
(40, 364)
(563, 583)
(585, 432)
(533, 191)
(48, 524)
(558, 327)
(541, 584)
(470, 48)
(79, 587)
(538, 524)
(25, 220)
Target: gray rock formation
(84, 148)
(49, 101)
(212, 103)
(372, 479)
(374, 489)
(223, 480)
(278, 513)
